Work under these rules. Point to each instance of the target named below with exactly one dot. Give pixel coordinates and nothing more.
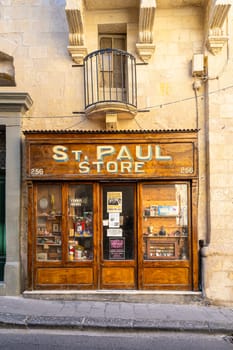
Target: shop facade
(112, 210)
(125, 75)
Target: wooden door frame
(192, 262)
(125, 265)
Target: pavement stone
(19, 312)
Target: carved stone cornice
(15, 102)
(75, 19)
(145, 46)
(145, 51)
(215, 43)
(217, 11)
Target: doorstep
(134, 296)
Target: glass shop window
(165, 222)
(80, 222)
(48, 221)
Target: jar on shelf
(78, 253)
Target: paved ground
(33, 313)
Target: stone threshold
(134, 296)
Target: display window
(165, 222)
(80, 222)
(48, 220)
(76, 218)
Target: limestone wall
(219, 253)
(35, 33)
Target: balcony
(110, 84)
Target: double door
(112, 236)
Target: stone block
(38, 52)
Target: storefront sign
(114, 160)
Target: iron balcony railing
(110, 76)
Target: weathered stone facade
(48, 41)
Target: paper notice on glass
(114, 232)
(114, 202)
(114, 220)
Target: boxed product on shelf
(167, 210)
(42, 256)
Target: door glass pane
(165, 222)
(80, 222)
(48, 236)
(106, 63)
(119, 64)
(112, 65)
(118, 222)
(105, 42)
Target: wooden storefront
(112, 210)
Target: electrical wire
(161, 105)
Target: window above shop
(112, 67)
(110, 83)
(110, 77)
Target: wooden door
(118, 248)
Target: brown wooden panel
(125, 155)
(166, 276)
(118, 275)
(65, 276)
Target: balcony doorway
(113, 67)
(110, 78)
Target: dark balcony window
(110, 76)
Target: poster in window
(114, 220)
(114, 232)
(114, 202)
(116, 248)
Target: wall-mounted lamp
(199, 70)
